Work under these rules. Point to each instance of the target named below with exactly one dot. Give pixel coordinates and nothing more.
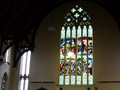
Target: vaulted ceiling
(20, 19)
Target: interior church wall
(7, 68)
(45, 58)
(3, 68)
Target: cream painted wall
(45, 58)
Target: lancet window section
(24, 70)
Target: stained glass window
(76, 49)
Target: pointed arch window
(76, 49)
(24, 70)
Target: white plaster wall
(4, 67)
(45, 58)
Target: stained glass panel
(90, 31)
(73, 42)
(73, 71)
(84, 31)
(67, 46)
(63, 33)
(61, 80)
(90, 69)
(90, 46)
(80, 9)
(68, 32)
(90, 61)
(79, 40)
(73, 32)
(79, 70)
(84, 46)
(62, 48)
(84, 70)
(79, 32)
(67, 72)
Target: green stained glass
(73, 10)
(81, 23)
(72, 80)
(76, 6)
(79, 32)
(76, 20)
(90, 32)
(80, 9)
(68, 19)
(76, 15)
(73, 32)
(67, 80)
(84, 31)
(68, 14)
(63, 32)
(68, 32)
(84, 19)
(61, 80)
